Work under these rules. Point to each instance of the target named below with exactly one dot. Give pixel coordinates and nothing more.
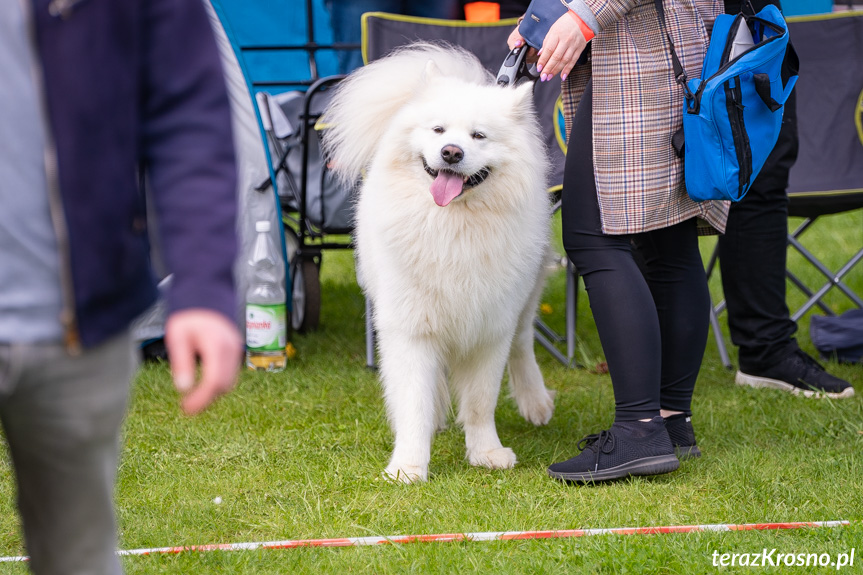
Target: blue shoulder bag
(732, 113)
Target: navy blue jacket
(130, 84)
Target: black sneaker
(620, 452)
(800, 374)
(682, 436)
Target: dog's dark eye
(478, 136)
(438, 130)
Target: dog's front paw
(405, 473)
(500, 458)
(537, 407)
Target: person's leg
(620, 299)
(675, 274)
(62, 418)
(628, 327)
(672, 264)
(752, 255)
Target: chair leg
(571, 311)
(720, 340)
(715, 310)
(548, 338)
(834, 280)
(798, 283)
(548, 345)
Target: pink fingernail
(184, 382)
(539, 67)
(563, 77)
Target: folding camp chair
(828, 175)
(487, 40)
(834, 279)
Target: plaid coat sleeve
(637, 106)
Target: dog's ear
(431, 71)
(524, 95)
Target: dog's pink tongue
(445, 187)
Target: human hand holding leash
(209, 336)
(515, 39)
(561, 47)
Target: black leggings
(648, 292)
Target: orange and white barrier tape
(469, 537)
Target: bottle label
(266, 327)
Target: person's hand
(515, 39)
(561, 48)
(207, 335)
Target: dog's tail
(365, 102)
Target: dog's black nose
(452, 154)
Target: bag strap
(678, 139)
(679, 72)
(762, 88)
(790, 68)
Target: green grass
(297, 455)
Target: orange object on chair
(482, 11)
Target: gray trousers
(62, 417)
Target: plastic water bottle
(266, 320)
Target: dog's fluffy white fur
(454, 280)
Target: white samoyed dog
(452, 226)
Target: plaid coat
(637, 106)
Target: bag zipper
(730, 41)
(734, 107)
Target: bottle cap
(262, 226)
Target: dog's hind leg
(411, 373)
(476, 382)
(535, 402)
